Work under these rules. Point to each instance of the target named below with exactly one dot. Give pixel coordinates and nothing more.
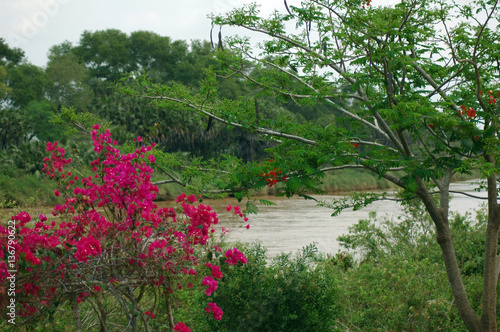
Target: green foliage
(40, 115)
(400, 273)
(27, 82)
(402, 256)
(14, 128)
(289, 294)
(68, 79)
(8, 55)
(23, 189)
(397, 294)
(4, 89)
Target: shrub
(111, 246)
(289, 294)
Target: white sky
(37, 25)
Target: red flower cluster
(273, 176)
(491, 99)
(469, 111)
(366, 3)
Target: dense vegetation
(84, 77)
(396, 283)
(407, 93)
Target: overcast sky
(37, 25)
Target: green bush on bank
(398, 283)
(19, 188)
(289, 294)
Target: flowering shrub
(110, 237)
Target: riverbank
(20, 189)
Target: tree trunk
(170, 314)
(440, 219)
(462, 302)
(490, 274)
(102, 313)
(77, 321)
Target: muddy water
(294, 223)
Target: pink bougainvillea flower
(87, 246)
(234, 256)
(192, 198)
(181, 327)
(211, 283)
(115, 201)
(215, 310)
(216, 272)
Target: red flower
(471, 113)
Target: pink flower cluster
(181, 327)
(216, 272)
(111, 211)
(215, 310)
(87, 246)
(234, 256)
(211, 283)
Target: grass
(19, 188)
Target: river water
(294, 223)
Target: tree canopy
(413, 88)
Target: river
(296, 222)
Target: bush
(289, 294)
(399, 282)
